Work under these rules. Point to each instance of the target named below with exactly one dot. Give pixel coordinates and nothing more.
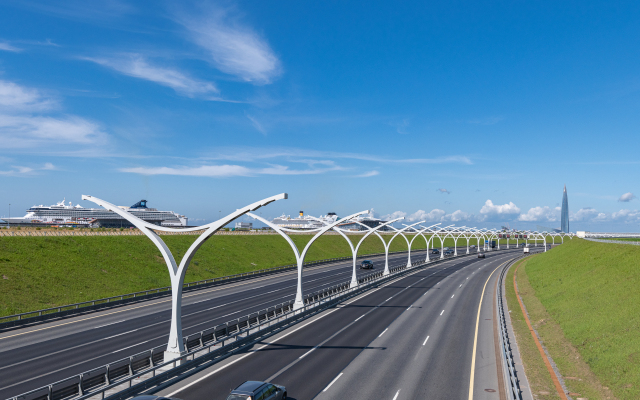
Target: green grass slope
(42, 272)
(592, 290)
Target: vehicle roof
(249, 386)
(366, 261)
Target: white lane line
(409, 308)
(397, 393)
(425, 341)
(332, 382)
(359, 318)
(460, 285)
(452, 295)
(389, 299)
(442, 312)
(383, 332)
(308, 352)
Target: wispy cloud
(26, 171)
(135, 65)
(19, 98)
(367, 174)
(31, 131)
(230, 45)
(5, 46)
(251, 154)
(259, 127)
(443, 191)
(223, 171)
(22, 124)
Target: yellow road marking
(475, 339)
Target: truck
(526, 250)
(493, 244)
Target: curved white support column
(299, 301)
(175, 346)
(388, 245)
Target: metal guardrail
(116, 301)
(508, 363)
(202, 347)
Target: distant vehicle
(473, 246)
(435, 251)
(480, 255)
(151, 397)
(493, 244)
(256, 390)
(366, 264)
(526, 250)
(521, 244)
(448, 252)
(445, 248)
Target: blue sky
(472, 112)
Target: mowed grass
(592, 291)
(42, 272)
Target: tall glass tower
(564, 214)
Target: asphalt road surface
(412, 338)
(38, 355)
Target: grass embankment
(42, 272)
(583, 300)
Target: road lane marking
(359, 318)
(425, 341)
(397, 393)
(452, 295)
(308, 352)
(383, 332)
(332, 382)
(475, 338)
(442, 312)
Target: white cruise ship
(303, 222)
(62, 214)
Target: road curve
(412, 338)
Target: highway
(36, 356)
(412, 338)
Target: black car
(480, 255)
(256, 390)
(434, 251)
(366, 264)
(448, 252)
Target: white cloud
(443, 191)
(30, 131)
(586, 214)
(7, 47)
(540, 214)
(394, 215)
(24, 171)
(627, 197)
(222, 171)
(137, 66)
(627, 215)
(232, 47)
(368, 174)
(434, 215)
(19, 98)
(493, 209)
(458, 215)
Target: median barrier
(146, 370)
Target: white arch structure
(387, 245)
(419, 232)
(354, 251)
(299, 302)
(175, 346)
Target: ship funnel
(301, 214)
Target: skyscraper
(564, 214)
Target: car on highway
(366, 264)
(256, 390)
(473, 246)
(434, 251)
(448, 252)
(480, 255)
